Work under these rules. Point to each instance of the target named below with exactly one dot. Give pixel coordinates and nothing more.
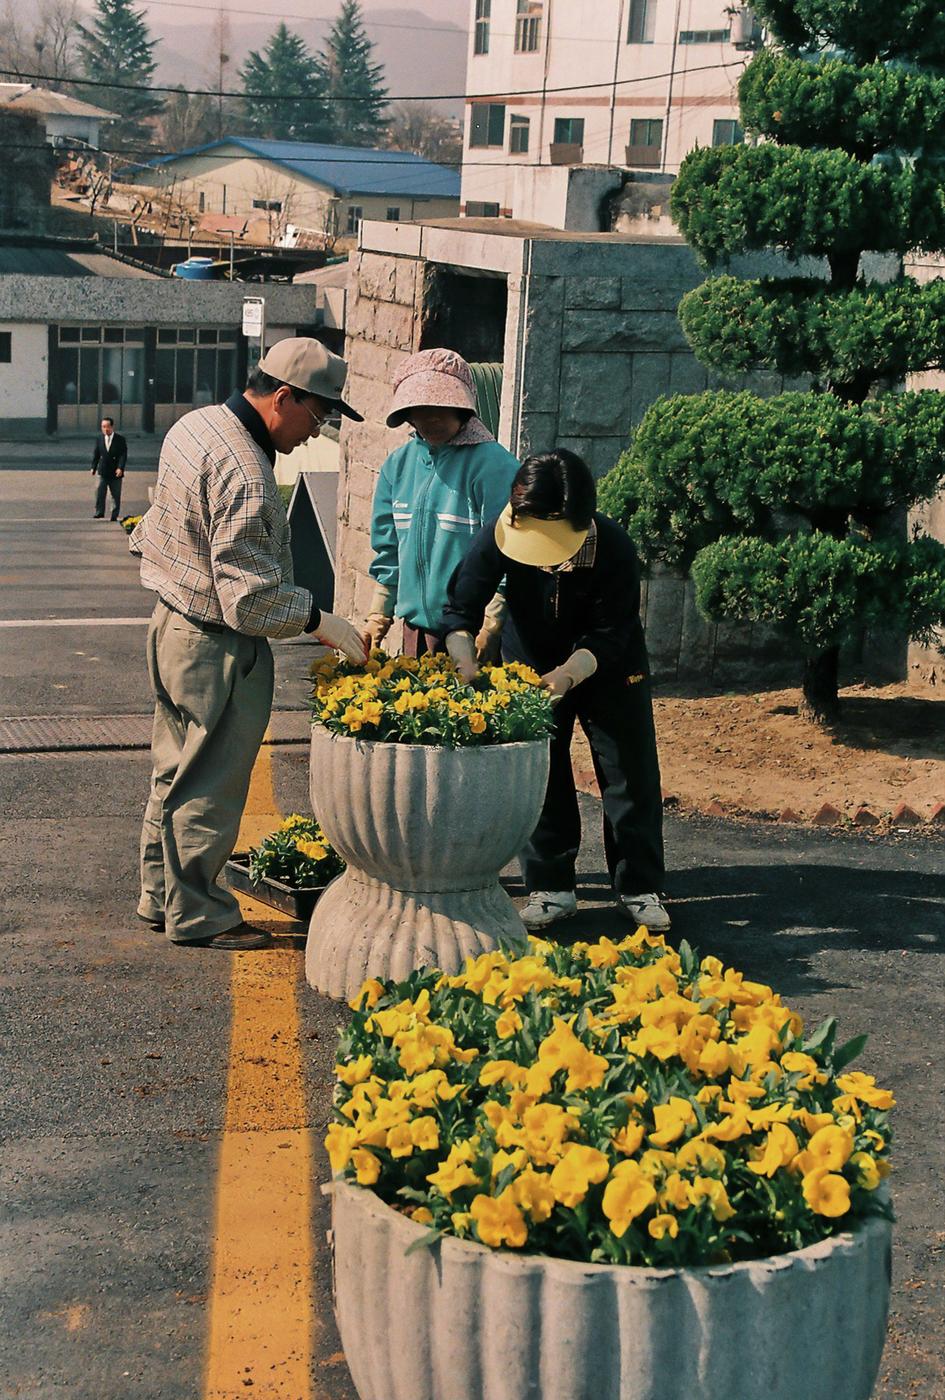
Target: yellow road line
(261, 1305)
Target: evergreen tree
(356, 91)
(790, 510)
(116, 48)
(285, 69)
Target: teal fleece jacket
(428, 505)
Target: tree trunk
(821, 702)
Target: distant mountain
(422, 53)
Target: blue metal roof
(348, 170)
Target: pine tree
(116, 48)
(790, 510)
(285, 68)
(356, 89)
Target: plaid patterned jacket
(215, 542)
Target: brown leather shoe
(241, 939)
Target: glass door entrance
(100, 373)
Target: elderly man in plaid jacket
(214, 547)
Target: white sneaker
(544, 907)
(645, 909)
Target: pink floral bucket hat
(434, 379)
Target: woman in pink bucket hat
(432, 496)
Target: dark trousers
(418, 642)
(112, 484)
(618, 720)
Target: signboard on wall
(254, 329)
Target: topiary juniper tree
(789, 510)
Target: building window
(6, 347)
(727, 132)
(272, 206)
(481, 34)
(703, 36)
(201, 203)
(528, 26)
(189, 375)
(642, 28)
(393, 213)
(476, 209)
(518, 135)
(355, 215)
(487, 125)
(646, 142)
(569, 131)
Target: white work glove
(376, 627)
(580, 666)
(337, 632)
(462, 649)
(489, 637)
(380, 615)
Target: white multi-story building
(634, 83)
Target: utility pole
(222, 29)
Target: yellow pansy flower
(499, 1221)
(867, 1170)
(355, 1071)
(707, 1188)
(672, 1119)
(340, 1142)
(455, 1173)
(827, 1150)
(826, 1193)
(779, 1150)
(425, 1134)
(563, 1050)
(627, 1194)
(864, 1087)
(662, 1225)
(366, 1165)
(628, 1139)
(533, 1192)
(578, 1169)
(508, 1023)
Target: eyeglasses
(316, 419)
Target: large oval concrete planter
(425, 832)
(461, 1322)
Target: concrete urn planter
(425, 832)
(457, 1321)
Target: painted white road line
(76, 622)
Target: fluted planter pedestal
(425, 833)
(457, 1321)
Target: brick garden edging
(854, 817)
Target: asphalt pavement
(117, 1094)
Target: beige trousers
(212, 702)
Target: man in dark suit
(108, 461)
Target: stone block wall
(382, 329)
(927, 663)
(591, 341)
(598, 350)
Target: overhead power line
(576, 88)
(128, 156)
(279, 16)
(368, 23)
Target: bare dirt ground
(753, 754)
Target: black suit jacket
(108, 461)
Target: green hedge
(729, 199)
(702, 466)
(867, 30)
(834, 103)
(799, 326)
(821, 591)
